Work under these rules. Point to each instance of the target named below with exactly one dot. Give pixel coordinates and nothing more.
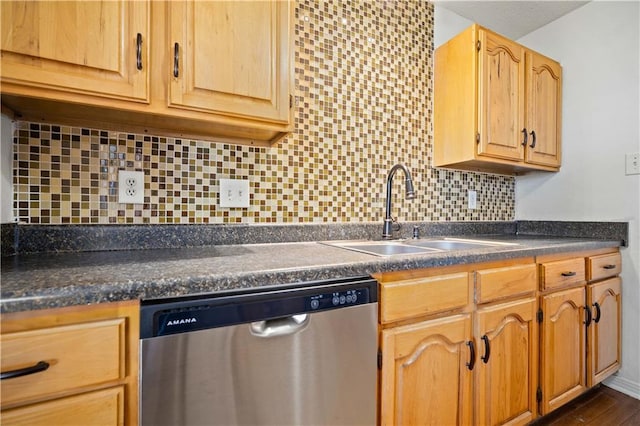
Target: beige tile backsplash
(363, 89)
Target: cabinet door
(87, 47)
(507, 363)
(501, 96)
(604, 331)
(103, 407)
(232, 58)
(544, 110)
(563, 348)
(425, 379)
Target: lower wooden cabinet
(563, 348)
(476, 363)
(82, 364)
(507, 363)
(426, 375)
(581, 323)
(604, 353)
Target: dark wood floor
(602, 406)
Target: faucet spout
(387, 232)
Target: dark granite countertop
(47, 280)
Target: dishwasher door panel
(324, 373)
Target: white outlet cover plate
(130, 187)
(234, 193)
(632, 164)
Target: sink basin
(381, 248)
(400, 247)
(454, 244)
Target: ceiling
(512, 18)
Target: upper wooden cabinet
(97, 48)
(231, 57)
(204, 69)
(497, 105)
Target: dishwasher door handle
(280, 326)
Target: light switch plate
(234, 193)
(632, 164)
(472, 198)
(130, 187)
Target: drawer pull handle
(472, 355)
(609, 266)
(588, 316)
(533, 135)
(568, 274)
(487, 349)
(40, 366)
(524, 134)
(139, 51)
(176, 60)
(598, 312)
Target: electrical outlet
(472, 199)
(130, 187)
(632, 164)
(234, 193)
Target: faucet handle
(395, 224)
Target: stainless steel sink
(417, 246)
(450, 244)
(381, 248)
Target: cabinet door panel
(81, 47)
(543, 110)
(501, 97)
(563, 348)
(604, 335)
(506, 390)
(233, 57)
(103, 407)
(424, 375)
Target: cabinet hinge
(379, 359)
(290, 101)
(478, 137)
(539, 395)
(540, 316)
(478, 45)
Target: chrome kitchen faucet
(409, 194)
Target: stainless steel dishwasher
(303, 355)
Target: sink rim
(412, 247)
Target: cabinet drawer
(499, 283)
(562, 273)
(103, 407)
(603, 266)
(78, 355)
(423, 296)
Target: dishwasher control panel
(338, 298)
(181, 316)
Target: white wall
(598, 46)
(6, 170)
(447, 25)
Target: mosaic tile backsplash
(363, 79)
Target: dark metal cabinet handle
(533, 142)
(472, 355)
(598, 312)
(176, 58)
(487, 349)
(568, 274)
(587, 312)
(40, 366)
(139, 51)
(524, 136)
(609, 266)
